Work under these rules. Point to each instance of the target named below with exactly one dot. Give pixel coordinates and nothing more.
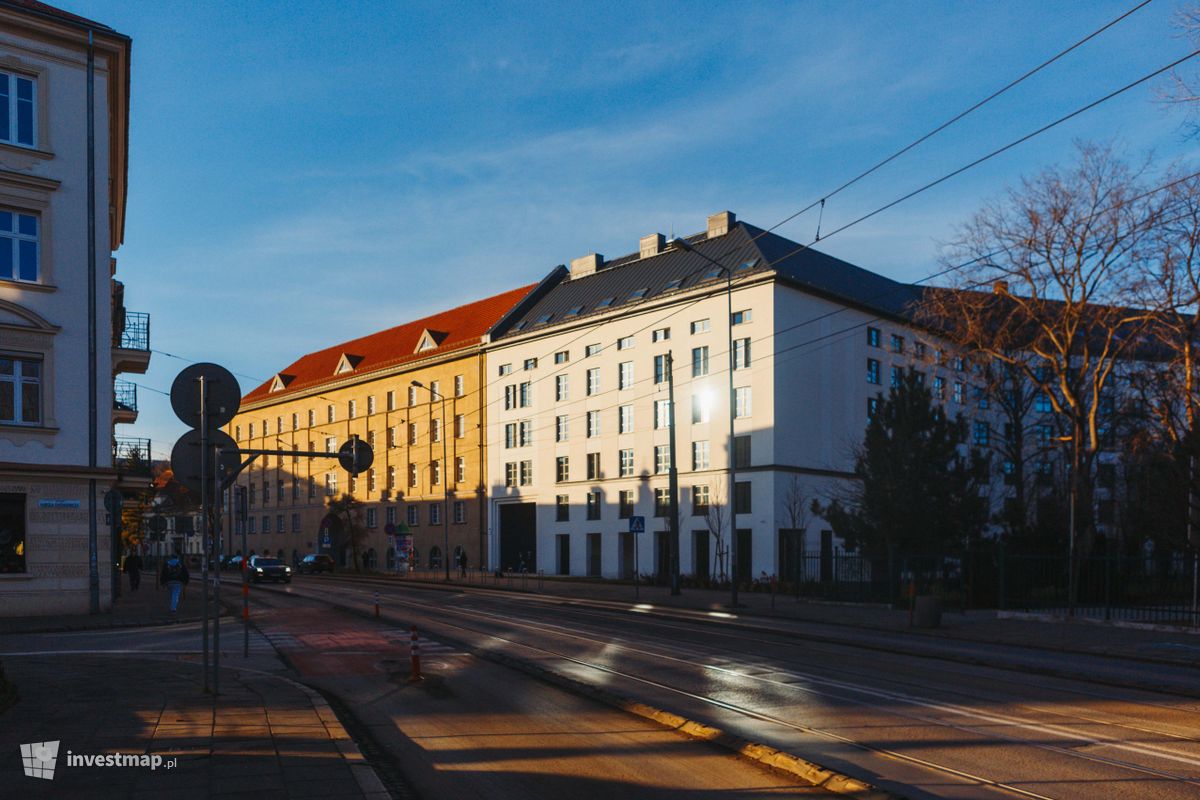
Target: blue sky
(306, 172)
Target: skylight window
(715, 272)
(521, 325)
(675, 284)
(605, 303)
(751, 264)
(638, 294)
(573, 311)
(543, 319)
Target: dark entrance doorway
(518, 537)
(745, 572)
(700, 554)
(791, 551)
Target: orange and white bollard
(415, 649)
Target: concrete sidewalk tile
(366, 778)
(349, 750)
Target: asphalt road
(932, 725)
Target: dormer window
(429, 340)
(347, 363)
(280, 382)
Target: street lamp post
(445, 476)
(682, 244)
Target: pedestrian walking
(174, 576)
(462, 563)
(133, 568)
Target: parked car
(316, 562)
(262, 568)
(233, 563)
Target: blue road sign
(637, 524)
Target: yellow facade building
(416, 394)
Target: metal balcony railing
(124, 396)
(131, 456)
(134, 334)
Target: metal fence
(131, 456)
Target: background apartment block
(578, 402)
(58, 452)
(365, 387)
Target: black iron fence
(1142, 589)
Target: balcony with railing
(125, 408)
(131, 457)
(131, 341)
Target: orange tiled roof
(450, 330)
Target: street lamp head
(680, 244)
(417, 383)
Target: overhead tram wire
(957, 117)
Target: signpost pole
(204, 517)
(215, 517)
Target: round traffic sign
(355, 456)
(389, 528)
(224, 395)
(185, 459)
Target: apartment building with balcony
(428, 438)
(64, 332)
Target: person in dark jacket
(133, 568)
(174, 576)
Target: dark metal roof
(629, 281)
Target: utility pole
(672, 478)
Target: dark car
(233, 563)
(315, 562)
(262, 568)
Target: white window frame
(11, 90)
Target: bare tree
(1061, 255)
(1184, 90)
(349, 510)
(797, 510)
(716, 519)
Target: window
(435, 430)
(460, 386)
(390, 401)
(593, 505)
(625, 419)
(295, 523)
(740, 317)
(625, 343)
(412, 433)
(662, 502)
(562, 466)
(312, 486)
(330, 444)
(296, 489)
(412, 396)
(741, 498)
(460, 512)
(266, 524)
(312, 419)
(460, 469)
(435, 513)
(250, 525)
(562, 388)
(958, 391)
(526, 394)
(939, 387)
(526, 473)
(742, 402)
(662, 459)
(351, 410)
(660, 368)
(391, 478)
(353, 484)
(591, 350)
(872, 371)
(18, 117)
(562, 508)
(662, 414)
(372, 517)
(920, 349)
(741, 353)
(524, 433)
(530, 364)
(371, 439)
(700, 455)
(981, 397)
(895, 375)
(435, 472)
(237, 432)
(562, 357)
(872, 337)
(593, 381)
(625, 375)
(699, 361)
(593, 424)
(330, 415)
(505, 369)
(1045, 435)
(626, 463)
(251, 427)
(295, 422)
(389, 515)
(699, 501)
(414, 515)
(435, 391)
(12, 522)
(701, 326)
(660, 335)
(1041, 403)
(20, 392)
(741, 451)
(980, 433)
(561, 428)
(625, 504)
(510, 474)
(460, 426)
(959, 364)
(412, 476)
(897, 343)
(593, 466)
(330, 485)
(701, 409)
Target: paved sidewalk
(268, 736)
(147, 606)
(1163, 646)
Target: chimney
(586, 265)
(1000, 287)
(720, 223)
(652, 245)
